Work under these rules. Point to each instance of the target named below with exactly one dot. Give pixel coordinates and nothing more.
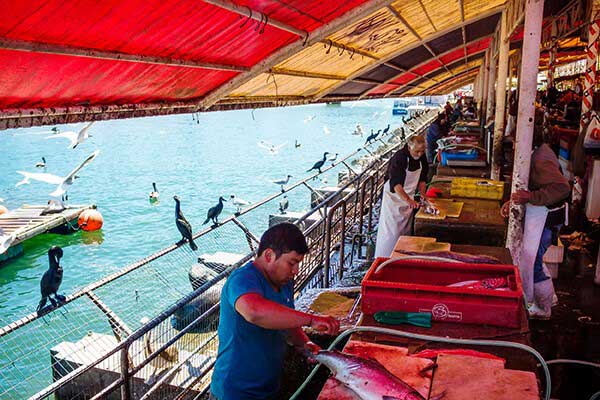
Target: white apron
(395, 217)
(535, 219)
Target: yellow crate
(477, 188)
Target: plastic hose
(415, 257)
(394, 332)
(568, 361)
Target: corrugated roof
(69, 61)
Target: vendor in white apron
(545, 213)
(407, 172)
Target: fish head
(339, 363)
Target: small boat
(400, 107)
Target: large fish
(367, 378)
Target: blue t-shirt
(250, 358)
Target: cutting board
(393, 358)
(465, 377)
(423, 215)
(451, 207)
(412, 243)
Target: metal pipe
(125, 375)
(503, 48)
(534, 11)
(489, 113)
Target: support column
(484, 86)
(503, 47)
(491, 89)
(552, 56)
(534, 10)
(590, 69)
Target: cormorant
(282, 182)
(319, 163)
(52, 279)
(41, 164)
(297, 144)
(372, 137)
(183, 225)
(153, 197)
(386, 130)
(213, 212)
(283, 205)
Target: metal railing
(172, 355)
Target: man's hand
(520, 196)
(325, 324)
(412, 204)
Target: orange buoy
(90, 220)
(3, 210)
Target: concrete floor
(573, 332)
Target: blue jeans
(538, 268)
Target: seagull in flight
(309, 118)
(271, 148)
(62, 182)
(326, 130)
(75, 138)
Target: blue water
(217, 155)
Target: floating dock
(27, 222)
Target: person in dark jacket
(436, 131)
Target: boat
(400, 107)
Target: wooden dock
(27, 222)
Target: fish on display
(368, 379)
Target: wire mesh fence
(149, 331)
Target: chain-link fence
(149, 331)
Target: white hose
(394, 332)
(415, 257)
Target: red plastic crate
(420, 286)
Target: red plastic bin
(420, 286)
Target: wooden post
(491, 89)
(485, 84)
(534, 10)
(590, 68)
(552, 56)
(500, 98)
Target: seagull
(386, 129)
(183, 225)
(319, 163)
(75, 138)
(326, 130)
(358, 130)
(271, 148)
(54, 206)
(239, 203)
(41, 164)
(282, 182)
(165, 359)
(309, 118)
(213, 212)
(297, 144)
(52, 279)
(153, 197)
(283, 205)
(6, 240)
(63, 183)
(332, 159)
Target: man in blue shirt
(257, 319)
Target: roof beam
(427, 15)
(461, 6)
(36, 47)
(395, 54)
(304, 74)
(285, 52)
(457, 78)
(256, 15)
(415, 34)
(425, 62)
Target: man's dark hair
(283, 238)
